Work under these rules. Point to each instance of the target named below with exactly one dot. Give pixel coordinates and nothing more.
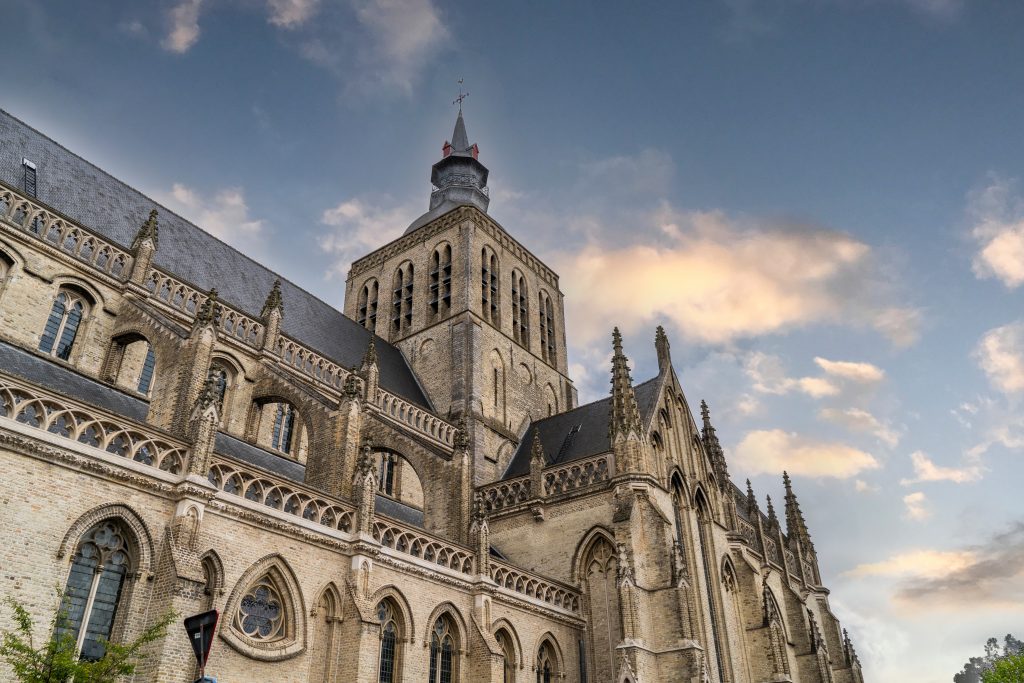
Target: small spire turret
(150, 230)
(752, 509)
(274, 301)
(625, 417)
(795, 524)
(661, 346)
(459, 177)
(773, 520)
(713, 447)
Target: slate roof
(581, 432)
(264, 459)
(400, 511)
(65, 381)
(100, 202)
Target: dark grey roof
(400, 511)
(264, 459)
(100, 202)
(579, 433)
(63, 380)
(434, 213)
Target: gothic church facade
(408, 491)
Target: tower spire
(625, 413)
(459, 177)
(795, 523)
(773, 519)
(713, 447)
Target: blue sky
(822, 200)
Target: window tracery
(489, 291)
(366, 313)
(441, 281)
(66, 315)
(93, 591)
(547, 666)
(508, 655)
(390, 636)
(520, 311)
(442, 651)
(260, 613)
(401, 299)
(546, 315)
(284, 424)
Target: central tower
(479, 317)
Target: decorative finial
(458, 100)
(149, 230)
(370, 357)
(274, 301)
(705, 413)
(661, 346)
(625, 416)
(208, 310)
(773, 520)
(751, 499)
(537, 450)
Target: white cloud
(772, 451)
(184, 26)
(915, 505)
(720, 279)
(403, 35)
(930, 564)
(769, 377)
(861, 486)
(863, 373)
(1000, 354)
(359, 226)
(224, 215)
(997, 214)
(860, 420)
(926, 470)
(291, 13)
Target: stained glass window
(93, 590)
(261, 612)
(62, 325)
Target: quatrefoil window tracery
(261, 612)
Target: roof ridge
(142, 194)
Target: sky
(821, 200)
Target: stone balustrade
(31, 218)
(418, 419)
(576, 475)
(419, 544)
(186, 299)
(88, 426)
(506, 494)
(534, 586)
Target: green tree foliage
(976, 668)
(1006, 670)
(56, 660)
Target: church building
(405, 491)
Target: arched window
(222, 377)
(261, 612)
(401, 299)
(489, 296)
(599, 575)
(703, 523)
(442, 651)
(131, 363)
(547, 665)
(520, 310)
(323, 652)
(546, 317)
(66, 316)
(6, 264)
(284, 426)
(366, 313)
(441, 281)
(386, 478)
(508, 655)
(101, 563)
(390, 639)
(146, 376)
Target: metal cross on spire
(462, 96)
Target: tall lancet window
(390, 640)
(546, 317)
(520, 311)
(441, 281)
(401, 300)
(366, 313)
(489, 302)
(442, 651)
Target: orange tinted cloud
(772, 451)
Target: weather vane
(462, 96)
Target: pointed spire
(751, 500)
(460, 138)
(274, 301)
(773, 519)
(851, 654)
(459, 177)
(150, 230)
(795, 524)
(661, 346)
(714, 448)
(625, 417)
(370, 357)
